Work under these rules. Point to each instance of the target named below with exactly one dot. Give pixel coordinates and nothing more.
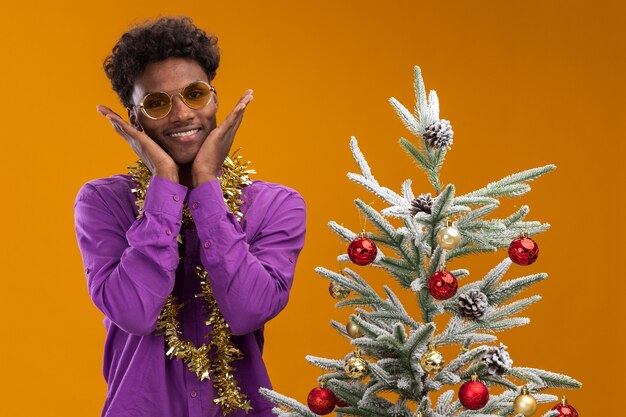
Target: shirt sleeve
(130, 270)
(250, 281)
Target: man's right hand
(155, 158)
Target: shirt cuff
(165, 196)
(207, 200)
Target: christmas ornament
(338, 291)
(439, 134)
(432, 361)
(321, 400)
(362, 251)
(422, 204)
(355, 366)
(565, 409)
(442, 285)
(353, 330)
(473, 304)
(498, 360)
(473, 394)
(448, 237)
(216, 367)
(525, 403)
(523, 250)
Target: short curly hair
(156, 41)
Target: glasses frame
(171, 95)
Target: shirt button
(176, 197)
(188, 259)
(194, 394)
(168, 231)
(207, 244)
(195, 205)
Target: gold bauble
(355, 367)
(525, 403)
(353, 330)
(338, 291)
(432, 361)
(449, 237)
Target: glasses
(157, 105)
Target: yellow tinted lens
(197, 95)
(157, 105)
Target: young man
(232, 266)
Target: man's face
(183, 130)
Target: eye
(154, 103)
(196, 94)
(156, 100)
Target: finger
(230, 120)
(234, 126)
(246, 98)
(124, 125)
(121, 131)
(116, 117)
(241, 105)
(125, 130)
(233, 119)
(105, 111)
(238, 120)
(113, 117)
(247, 93)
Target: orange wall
(524, 85)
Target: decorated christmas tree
(394, 367)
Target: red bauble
(473, 395)
(362, 251)
(523, 251)
(321, 400)
(442, 285)
(565, 409)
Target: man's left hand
(217, 145)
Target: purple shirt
(132, 265)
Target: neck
(184, 175)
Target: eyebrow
(176, 89)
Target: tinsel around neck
(217, 368)
(235, 177)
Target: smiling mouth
(184, 134)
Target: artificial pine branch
(513, 287)
(422, 162)
(549, 379)
(287, 402)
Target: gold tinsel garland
(235, 176)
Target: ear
(134, 120)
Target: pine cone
(439, 134)
(473, 304)
(423, 203)
(498, 360)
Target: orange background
(524, 85)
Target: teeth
(185, 133)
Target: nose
(180, 111)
